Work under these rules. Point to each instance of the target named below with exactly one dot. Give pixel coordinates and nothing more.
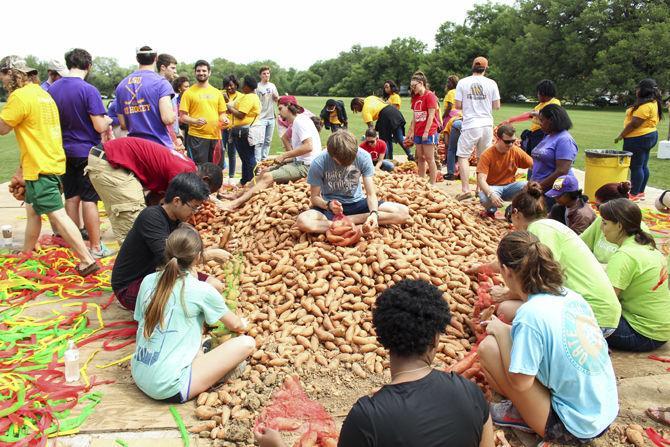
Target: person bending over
(336, 188)
(144, 248)
(552, 362)
(172, 306)
(421, 406)
(639, 274)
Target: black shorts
(75, 182)
(350, 209)
(555, 431)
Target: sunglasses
(508, 142)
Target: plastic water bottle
(71, 363)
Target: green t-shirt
(161, 365)
(594, 238)
(640, 272)
(583, 272)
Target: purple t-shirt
(137, 98)
(77, 100)
(112, 113)
(558, 146)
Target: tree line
(588, 48)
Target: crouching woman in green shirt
(172, 306)
(639, 275)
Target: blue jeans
(453, 145)
(505, 192)
(247, 154)
(639, 169)
(397, 136)
(229, 147)
(387, 166)
(626, 338)
(263, 149)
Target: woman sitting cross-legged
(552, 362)
(172, 306)
(639, 274)
(422, 406)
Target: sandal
(659, 414)
(89, 270)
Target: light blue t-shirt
(161, 365)
(341, 183)
(557, 339)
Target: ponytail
(628, 214)
(154, 313)
(182, 250)
(532, 262)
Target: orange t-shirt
(500, 169)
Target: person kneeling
(172, 306)
(421, 406)
(335, 188)
(552, 363)
(306, 144)
(377, 150)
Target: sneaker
(451, 177)
(104, 252)
(504, 414)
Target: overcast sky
(294, 33)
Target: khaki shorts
(289, 172)
(479, 137)
(120, 192)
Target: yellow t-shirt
(33, 114)
(394, 99)
(535, 123)
(203, 102)
(231, 98)
(333, 118)
(249, 104)
(372, 105)
(649, 113)
(450, 97)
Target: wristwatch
(328, 205)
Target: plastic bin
(664, 149)
(604, 166)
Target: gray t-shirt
(265, 93)
(337, 182)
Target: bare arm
(634, 124)
(371, 192)
(458, 105)
(447, 109)
(233, 322)
(316, 199)
(488, 439)
(166, 110)
(304, 148)
(236, 113)
(100, 122)
(496, 104)
(4, 128)
(562, 168)
(122, 121)
(286, 141)
(185, 118)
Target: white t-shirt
(304, 128)
(477, 94)
(265, 92)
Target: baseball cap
(290, 100)
(563, 184)
(16, 63)
(58, 67)
(480, 61)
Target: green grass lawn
(593, 129)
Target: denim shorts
(350, 209)
(432, 139)
(556, 431)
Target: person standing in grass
(82, 118)
(245, 110)
(172, 306)
(230, 94)
(203, 108)
(144, 101)
(268, 95)
(387, 121)
(546, 94)
(425, 122)
(639, 133)
(477, 96)
(448, 113)
(390, 95)
(167, 68)
(32, 113)
(55, 71)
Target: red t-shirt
(154, 165)
(420, 106)
(375, 151)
